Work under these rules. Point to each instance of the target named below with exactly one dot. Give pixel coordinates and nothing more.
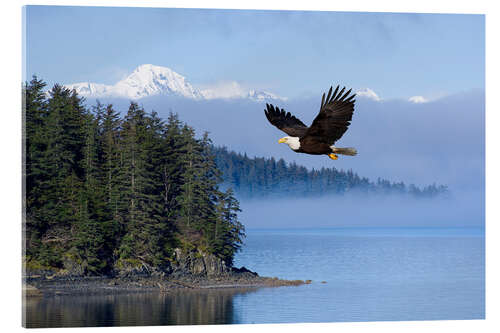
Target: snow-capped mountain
(145, 80)
(150, 80)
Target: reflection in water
(181, 307)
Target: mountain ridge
(150, 80)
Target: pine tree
(208, 190)
(55, 170)
(109, 139)
(35, 112)
(62, 157)
(95, 232)
(145, 223)
(189, 199)
(229, 232)
(175, 145)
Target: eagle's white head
(292, 142)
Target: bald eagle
(330, 124)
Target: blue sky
(291, 53)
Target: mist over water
(464, 209)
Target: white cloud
(228, 89)
(368, 93)
(232, 89)
(418, 99)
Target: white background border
(10, 157)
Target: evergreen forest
(260, 177)
(104, 191)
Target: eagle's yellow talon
(333, 156)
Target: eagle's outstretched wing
(285, 121)
(334, 116)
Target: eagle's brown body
(313, 147)
(330, 124)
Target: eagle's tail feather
(345, 151)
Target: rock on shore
(191, 270)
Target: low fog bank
(354, 210)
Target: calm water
(358, 275)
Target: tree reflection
(176, 307)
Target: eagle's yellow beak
(282, 140)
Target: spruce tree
(35, 112)
(146, 225)
(93, 242)
(109, 139)
(175, 147)
(55, 169)
(191, 181)
(229, 232)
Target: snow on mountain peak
(146, 80)
(150, 80)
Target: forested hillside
(259, 177)
(103, 191)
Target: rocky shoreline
(63, 285)
(190, 270)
